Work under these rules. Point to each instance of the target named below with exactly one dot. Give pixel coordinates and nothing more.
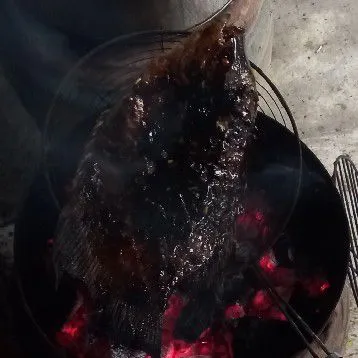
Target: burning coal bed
(278, 265)
(301, 270)
(306, 266)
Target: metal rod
(345, 203)
(352, 201)
(345, 176)
(264, 99)
(278, 107)
(260, 108)
(353, 253)
(353, 184)
(355, 270)
(285, 307)
(353, 283)
(345, 200)
(295, 131)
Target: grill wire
(345, 176)
(295, 320)
(272, 103)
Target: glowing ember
(72, 331)
(315, 286)
(276, 314)
(324, 287)
(253, 223)
(218, 345)
(234, 312)
(210, 344)
(267, 264)
(261, 301)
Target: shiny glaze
(155, 197)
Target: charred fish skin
(154, 199)
(213, 237)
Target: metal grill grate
(345, 176)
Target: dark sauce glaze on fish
(153, 204)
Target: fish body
(154, 200)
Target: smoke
(35, 57)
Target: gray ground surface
(315, 65)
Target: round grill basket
(99, 81)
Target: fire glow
(216, 344)
(267, 264)
(71, 336)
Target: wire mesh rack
(345, 176)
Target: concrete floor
(315, 65)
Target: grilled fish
(153, 203)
